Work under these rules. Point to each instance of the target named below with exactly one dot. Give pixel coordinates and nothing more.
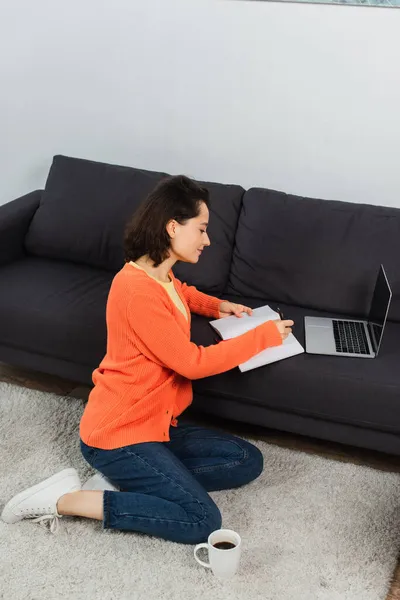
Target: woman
(156, 472)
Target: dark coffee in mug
(224, 545)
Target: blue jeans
(164, 485)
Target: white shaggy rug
(311, 528)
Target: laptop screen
(379, 308)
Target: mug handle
(204, 564)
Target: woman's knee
(254, 462)
(201, 526)
(258, 461)
(213, 520)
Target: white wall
(297, 97)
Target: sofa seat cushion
(361, 392)
(54, 308)
(86, 205)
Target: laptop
(352, 337)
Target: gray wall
(302, 98)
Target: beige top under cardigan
(170, 289)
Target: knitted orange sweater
(144, 381)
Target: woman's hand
(226, 309)
(284, 327)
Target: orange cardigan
(144, 380)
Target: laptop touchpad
(319, 335)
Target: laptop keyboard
(350, 337)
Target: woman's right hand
(284, 327)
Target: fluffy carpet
(312, 528)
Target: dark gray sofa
(61, 247)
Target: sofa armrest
(15, 217)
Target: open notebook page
(230, 327)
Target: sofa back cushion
(319, 254)
(86, 205)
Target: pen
(280, 313)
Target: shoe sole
(8, 515)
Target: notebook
(230, 327)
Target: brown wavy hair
(177, 197)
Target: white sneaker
(40, 501)
(99, 482)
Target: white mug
(223, 563)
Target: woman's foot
(39, 502)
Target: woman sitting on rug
(155, 472)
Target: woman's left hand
(226, 309)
